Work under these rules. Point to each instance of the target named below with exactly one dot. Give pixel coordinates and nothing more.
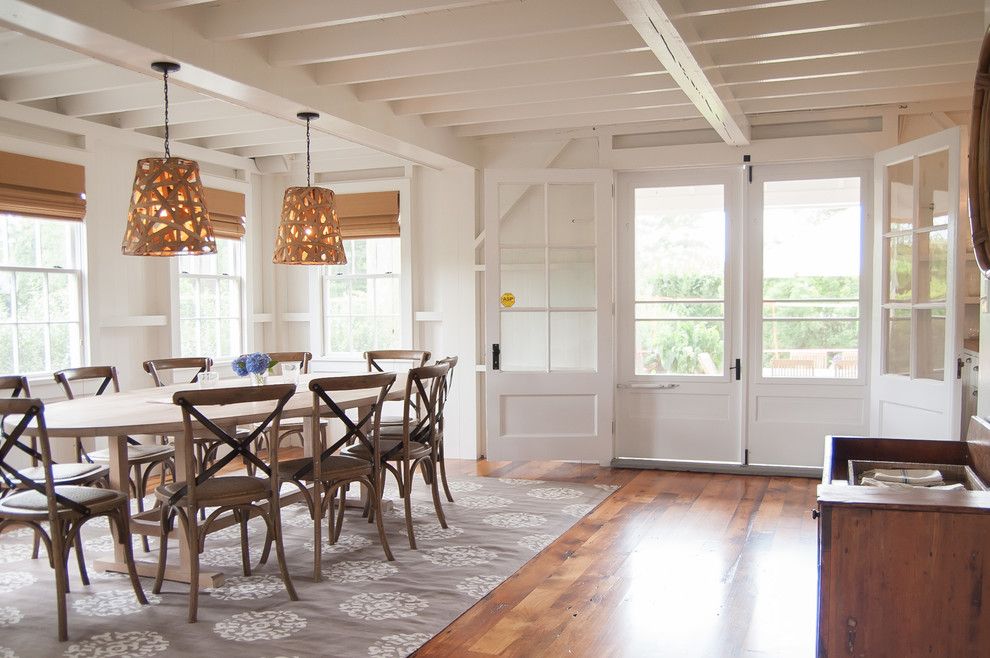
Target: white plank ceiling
(469, 68)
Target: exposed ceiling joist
(225, 126)
(21, 54)
(162, 5)
(654, 25)
(468, 57)
(79, 80)
(596, 119)
(473, 24)
(271, 136)
(708, 7)
(201, 110)
(255, 18)
(136, 97)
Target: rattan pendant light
(309, 233)
(168, 215)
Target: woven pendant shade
(309, 233)
(167, 216)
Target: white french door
(916, 390)
(742, 312)
(548, 314)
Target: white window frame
(79, 255)
(318, 313)
(238, 274)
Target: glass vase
(258, 378)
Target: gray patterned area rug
(365, 606)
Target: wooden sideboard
(904, 573)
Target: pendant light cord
(165, 76)
(307, 153)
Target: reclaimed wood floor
(672, 564)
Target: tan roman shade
(42, 188)
(368, 215)
(226, 212)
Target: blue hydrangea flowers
(256, 363)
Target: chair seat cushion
(68, 473)
(416, 450)
(34, 502)
(229, 489)
(333, 467)
(137, 453)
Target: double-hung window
(40, 294)
(210, 307)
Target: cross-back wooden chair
(326, 474)
(76, 473)
(378, 360)
(415, 447)
(142, 459)
(158, 367)
(235, 494)
(445, 386)
(65, 508)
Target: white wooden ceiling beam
(136, 97)
(255, 18)
(707, 7)
(473, 24)
(202, 110)
(225, 126)
(853, 98)
(653, 24)
(934, 75)
(297, 147)
(238, 72)
(270, 136)
(675, 98)
(535, 94)
(21, 54)
(827, 18)
(162, 5)
(852, 41)
(597, 119)
(93, 77)
(888, 60)
(520, 50)
(507, 77)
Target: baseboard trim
(718, 467)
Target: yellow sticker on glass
(507, 299)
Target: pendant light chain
(165, 76)
(307, 153)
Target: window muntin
(362, 299)
(210, 306)
(40, 295)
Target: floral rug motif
(364, 606)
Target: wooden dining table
(150, 411)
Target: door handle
(737, 368)
(496, 356)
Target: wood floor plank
(671, 564)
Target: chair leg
(275, 525)
(406, 490)
(163, 549)
(376, 502)
(35, 550)
(61, 582)
(192, 532)
(340, 514)
(434, 487)
(316, 511)
(120, 518)
(245, 553)
(80, 558)
(139, 490)
(443, 474)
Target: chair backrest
(107, 376)
(365, 430)
(18, 414)
(302, 358)
(415, 358)
(157, 367)
(16, 384)
(444, 392)
(420, 424)
(195, 406)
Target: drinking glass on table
(208, 379)
(290, 373)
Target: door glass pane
(523, 274)
(897, 360)
(811, 270)
(680, 347)
(572, 278)
(524, 341)
(900, 198)
(933, 188)
(680, 243)
(931, 343)
(574, 341)
(933, 264)
(571, 214)
(899, 268)
(521, 212)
